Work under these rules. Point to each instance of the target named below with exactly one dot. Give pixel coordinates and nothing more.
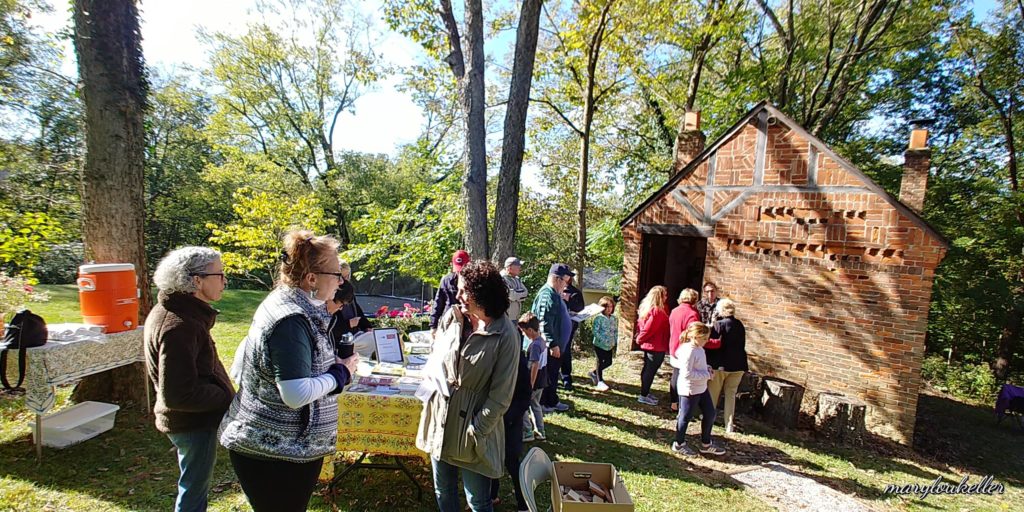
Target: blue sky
(384, 117)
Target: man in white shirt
(517, 291)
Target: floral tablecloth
(379, 424)
(59, 362)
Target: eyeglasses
(208, 274)
(339, 275)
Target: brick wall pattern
(831, 280)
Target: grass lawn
(133, 467)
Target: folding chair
(1016, 411)
(534, 470)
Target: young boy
(537, 358)
(694, 374)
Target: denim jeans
(688, 405)
(565, 366)
(652, 362)
(550, 396)
(197, 453)
(446, 488)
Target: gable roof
(765, 105)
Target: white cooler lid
(105, 267)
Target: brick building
(832, 276)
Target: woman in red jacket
(652, 338)
(681, 317)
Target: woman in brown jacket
(461, 426)
(192, 387)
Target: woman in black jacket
(729, 360)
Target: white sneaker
(601, 386)
(593, 378)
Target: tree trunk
(506, 209)
(780, 402)
(589, 106)
(114, 87)
(474, 185)
(581, 197)
(1009, 336)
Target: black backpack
(26, 330)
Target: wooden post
(780, 402)
(841, 418)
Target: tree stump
(748, 395)
(841, 418)
(780, 402)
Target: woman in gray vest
(284, 419)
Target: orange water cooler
(109, 296)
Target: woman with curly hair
(192, 387)
(284, 419)
(461, 426)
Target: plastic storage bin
(77, 423)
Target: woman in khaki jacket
(461, 426)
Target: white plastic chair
(535, 469)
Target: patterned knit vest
(258, 422)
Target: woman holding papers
(461, 426)
(284, 419)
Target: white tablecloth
(60, 362)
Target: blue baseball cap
(561, 270)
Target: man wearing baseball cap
(517, 291)
(555, 327)
(448, 289)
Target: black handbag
(26, 330)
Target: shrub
(966, 380)
(15, 293)
(59, 264)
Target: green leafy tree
(285, 86)
(179, 201)
(251, 243)
(23, 240)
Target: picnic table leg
(419, 490)
(39, 437)
(350, 467)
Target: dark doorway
(677, 262)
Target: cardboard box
(577, 476)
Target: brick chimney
(689, 142)
(916, 162)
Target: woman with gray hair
(729, 360)
(192, 388)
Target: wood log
(841, 418)
(780, 402)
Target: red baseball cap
(459, 259)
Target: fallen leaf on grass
(102, 470)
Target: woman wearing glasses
(284, 419)
(192, 388)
